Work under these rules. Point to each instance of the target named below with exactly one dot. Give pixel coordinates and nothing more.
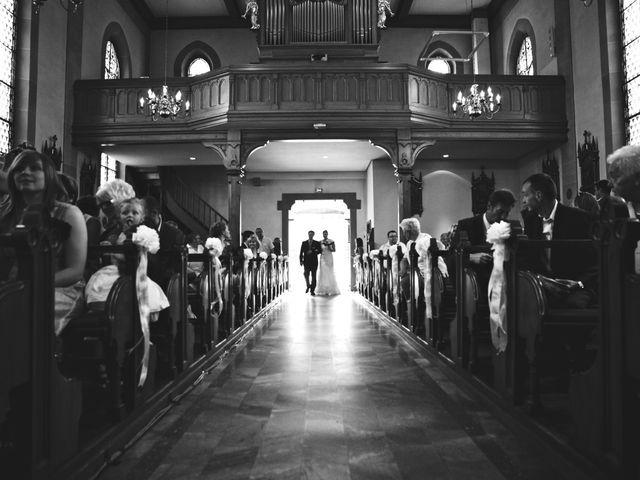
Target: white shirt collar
(552, 216)
(487, 225)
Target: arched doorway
(288, 199)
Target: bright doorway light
(319, 215)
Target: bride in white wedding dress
(327, 284)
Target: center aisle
(327, 393)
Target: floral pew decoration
(498, 234)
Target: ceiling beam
(197, 23)
(430, 21)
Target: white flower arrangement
(285, 257)
(280, 257)
(248, 254)
(498, 232)
(356, 257)
(373, 254)
(422, 244)
(146, 238)
(274, 256)
(214, 245)
(263, 255)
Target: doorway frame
(350, 199)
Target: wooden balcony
(292, 98)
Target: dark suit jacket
(310, 259)
(162, 267)
(477, 234)
(577, 263)
(474, 226)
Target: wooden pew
(38, 406)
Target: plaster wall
(587, 78)
(51, 74)
(541, 15)
(97, 16)
(259, 204)
(406, 45)
(446, 189)
(233, 46)
(385, 199)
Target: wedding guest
(624, 171)
(246, 235)
(132, 214)
(69, 189)
(163, 265)
(611, 207)
(194, 245)
(277, 246)
(587, 202)
(89, 208)
(546, 218)
(33, 182)
(265, 243)
(108, 196)
(392, 239)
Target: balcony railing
(284, 97)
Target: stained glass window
(108, 168)
(198, 66)
(631, 60)
(111, 63)
(524, 65)
(439, 66)
(8, 10)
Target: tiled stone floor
(326, 393)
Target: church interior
(351, 116)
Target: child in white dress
(132, 213)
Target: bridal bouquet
(146, 238)
(263, 255)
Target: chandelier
(74, 4)
(477, 104)
(164, 105)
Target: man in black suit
(499, 205)
(309, 251)
(547, 219)
(162, 267)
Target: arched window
(630, 55)
(438, 57)
(8, 17)
(111, 62)
(195, 59)
(438, 65)
(198, 66)
(524, 63)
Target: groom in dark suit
(309, 251)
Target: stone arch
(191, 52)
(114, 34)
(521, 30)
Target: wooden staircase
(196, 214)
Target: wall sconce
(587, 3)
(318, 189)
(73, 4)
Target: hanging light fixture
(73, 4)
(163, 105)
(477, 103)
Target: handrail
(192, 203)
